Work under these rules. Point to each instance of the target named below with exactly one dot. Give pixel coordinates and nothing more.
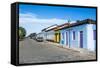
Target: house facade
(48, 33)
(57, 36)
(58, 32)
(81, 34)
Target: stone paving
(31, 51)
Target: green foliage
(22, 33)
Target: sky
(34, 18)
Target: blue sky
(36, 17)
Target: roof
(59, 27)
(62, 26)
(50, 27)
(86, 21)
(68, 25)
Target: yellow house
(57, 36)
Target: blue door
(66, 38)
(62, 38)
(81, 39)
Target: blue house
(81, 34)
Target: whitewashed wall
(91, 42)
(50, 35)
(88, 42)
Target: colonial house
(58, 32)
(81, 34)
(48, 33)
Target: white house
(48, 33)
(81, 34)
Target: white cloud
(32, 23)
(33, 18)
(27, 15)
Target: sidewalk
(81, 50)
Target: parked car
(39, 39)
(32, 36)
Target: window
(73, 35)
(94, 34)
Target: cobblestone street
(31, 51)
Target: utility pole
(69, 31)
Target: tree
(22, 33)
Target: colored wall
(50, 35)
(87, 36)
(91, 42)
(57, 36)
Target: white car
(39, 39)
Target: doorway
(81, 39)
